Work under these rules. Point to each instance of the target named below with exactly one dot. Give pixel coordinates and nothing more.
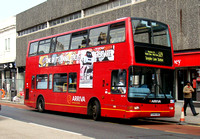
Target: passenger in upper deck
(102, 38)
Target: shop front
(187, 67)
(8, 79)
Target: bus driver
(121, 83)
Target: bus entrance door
(118, 102)
(32, 88)
(115, 99)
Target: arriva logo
(155, 101)
(78, 99)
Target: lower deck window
(72, 82)
(60, 82)
(42, 81)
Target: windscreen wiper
(149, 93)
(161, 90)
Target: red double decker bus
(121, 68)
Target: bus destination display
(150, 55)
(154, 56)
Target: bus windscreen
(147, 82)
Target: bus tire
(96, 111)
(40, 104)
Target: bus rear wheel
(40, 104)
(96, 110)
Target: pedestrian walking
(187, 91)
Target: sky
(13, 7)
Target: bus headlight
(171, 108)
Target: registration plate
(155, 114)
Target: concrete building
(57, 16)
(8, 54)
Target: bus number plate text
(155, 114)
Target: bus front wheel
(40, 104)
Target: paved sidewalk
(189, 119)
(13, 129)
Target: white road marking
(56, 129)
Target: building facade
(57, 16)
(8, 54)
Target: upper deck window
(79, 40)
(117, 32)
(63, 43)
(53, 45)
(33, 49)
(98, 36)
(152, 32)
(44, 46)
(101, 35)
